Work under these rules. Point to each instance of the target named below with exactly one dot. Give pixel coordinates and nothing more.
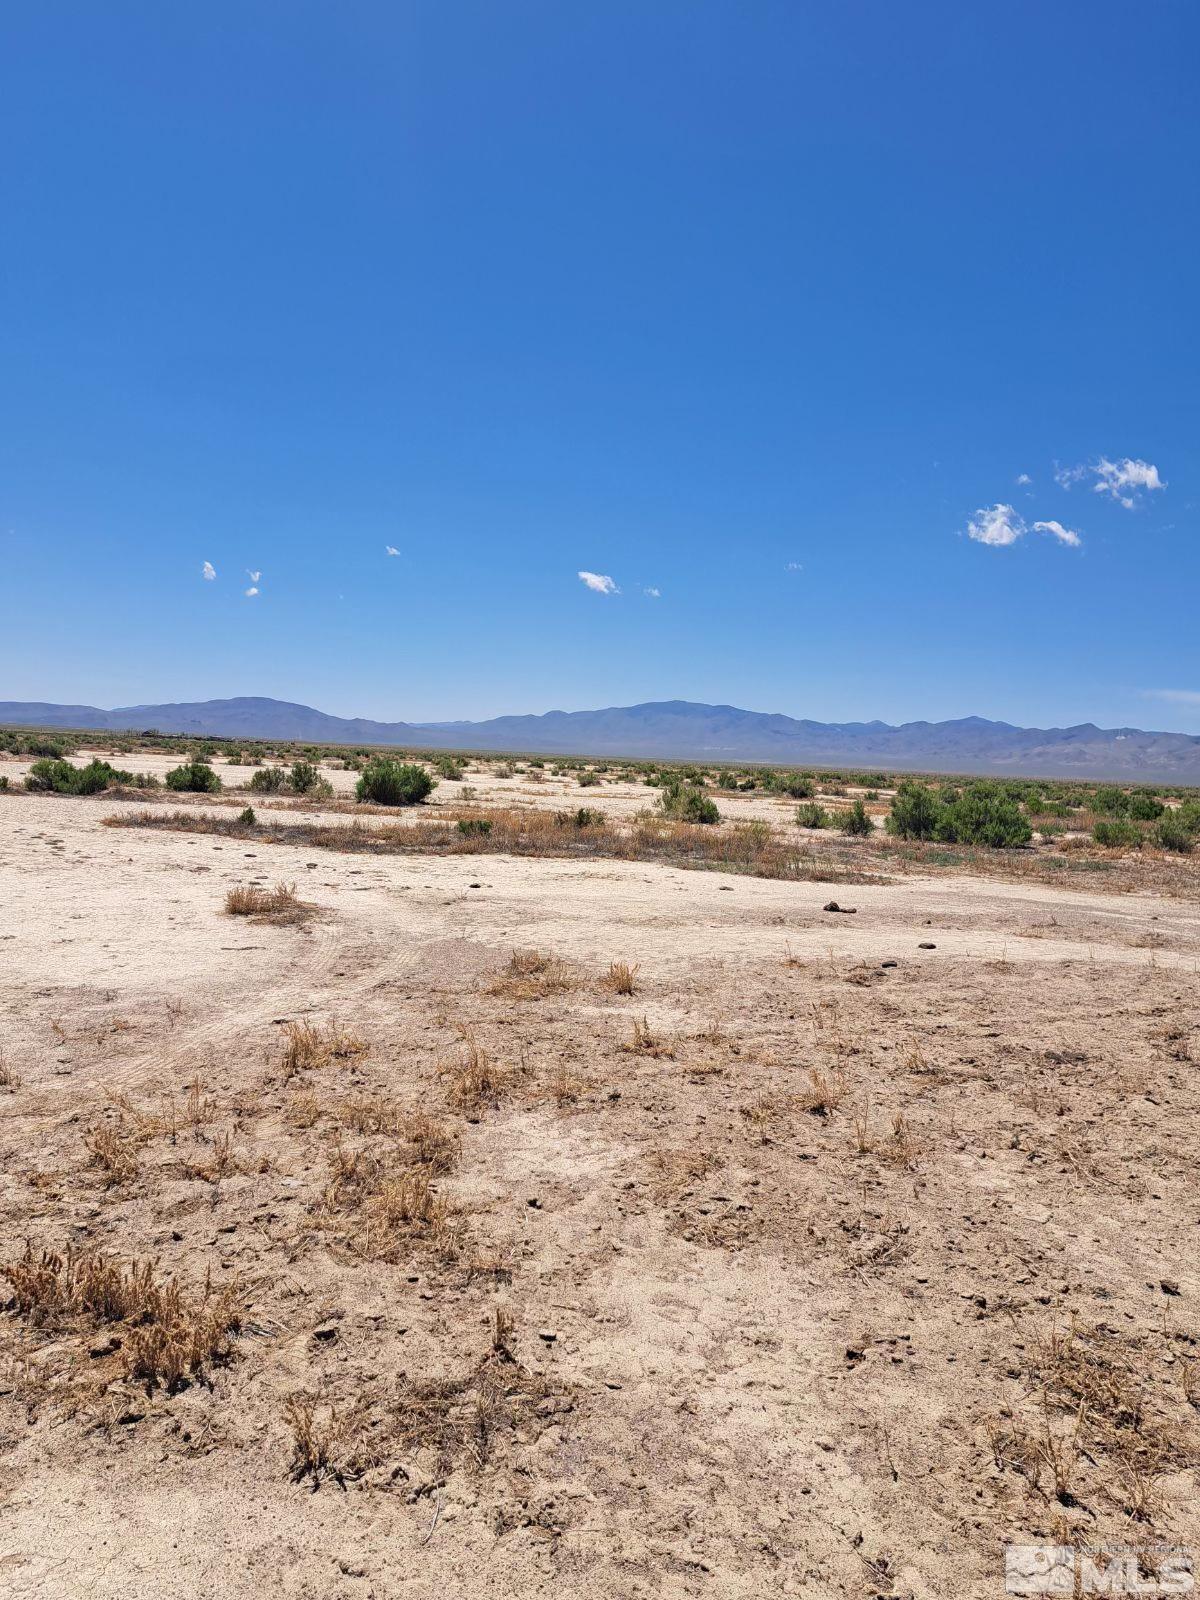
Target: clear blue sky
(762, 306)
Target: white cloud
(209, 571)
(599, 582)
(1123, 480)
(1179, 697)
(251, 591)
(999, 526)
(390, 550)
(795, 566)
(1063, 535)
(1024, 479)
(253, 576)
(653, 592)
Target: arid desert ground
(592, 1227)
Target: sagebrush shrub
(194, 777)
(857, 821)
(393, 783)
(304, 776)
(1117, 833)
(915, 811)
(687, 803)
(268, 780)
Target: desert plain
(570, 1225)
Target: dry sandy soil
(788, 1273)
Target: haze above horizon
(437, 363)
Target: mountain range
(679, 730)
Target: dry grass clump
(475, 1081)
(673, 1172)
(279, 904)
(385, 1209)
(1105, 1424)
(621, 978)
(643, 1042)
(8, 1078)
(825, 1092)
(423, 1140)
(461, 1421)
(308, 1046)
(114, 1147)
(531, 975)
(750, 848)
(166, 1336)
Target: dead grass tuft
(474, 1081)
(643, 1042)
(308, 1046)
(279, 904)
(166, 1336)
(531, 975)
(621, 978)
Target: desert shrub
(474, 827)
(194, 777)
(588, 780)
(62, 778)
(1188, 812)
(856, 821)
(1145, 807)
(1111, 801)
(915, 811)
(812, 815)
(268, 780)
(1171, 832)
(687, 803)
(393, 783)
(304, 776)
(247, 817)
(1115, 833)
(984, 813)
(795, 785)
(3, 783)
(449, 767)
(583, 818)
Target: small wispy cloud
(1024, 479)
(208, 571)
(1057, 531)
(1123, 481)
(795, 566)
(252, 591)
(253, 576)
(1179, 697)
(390, 550)
(598, 582)
(999, 525)
(652, 592)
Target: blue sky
(761, 307)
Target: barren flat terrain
(801, 1252)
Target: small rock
(1168, 1285)
(326, 1332)
(548, 1334)
(925, 945)
(831, 905)
(889, 963)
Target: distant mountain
(681, 729)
